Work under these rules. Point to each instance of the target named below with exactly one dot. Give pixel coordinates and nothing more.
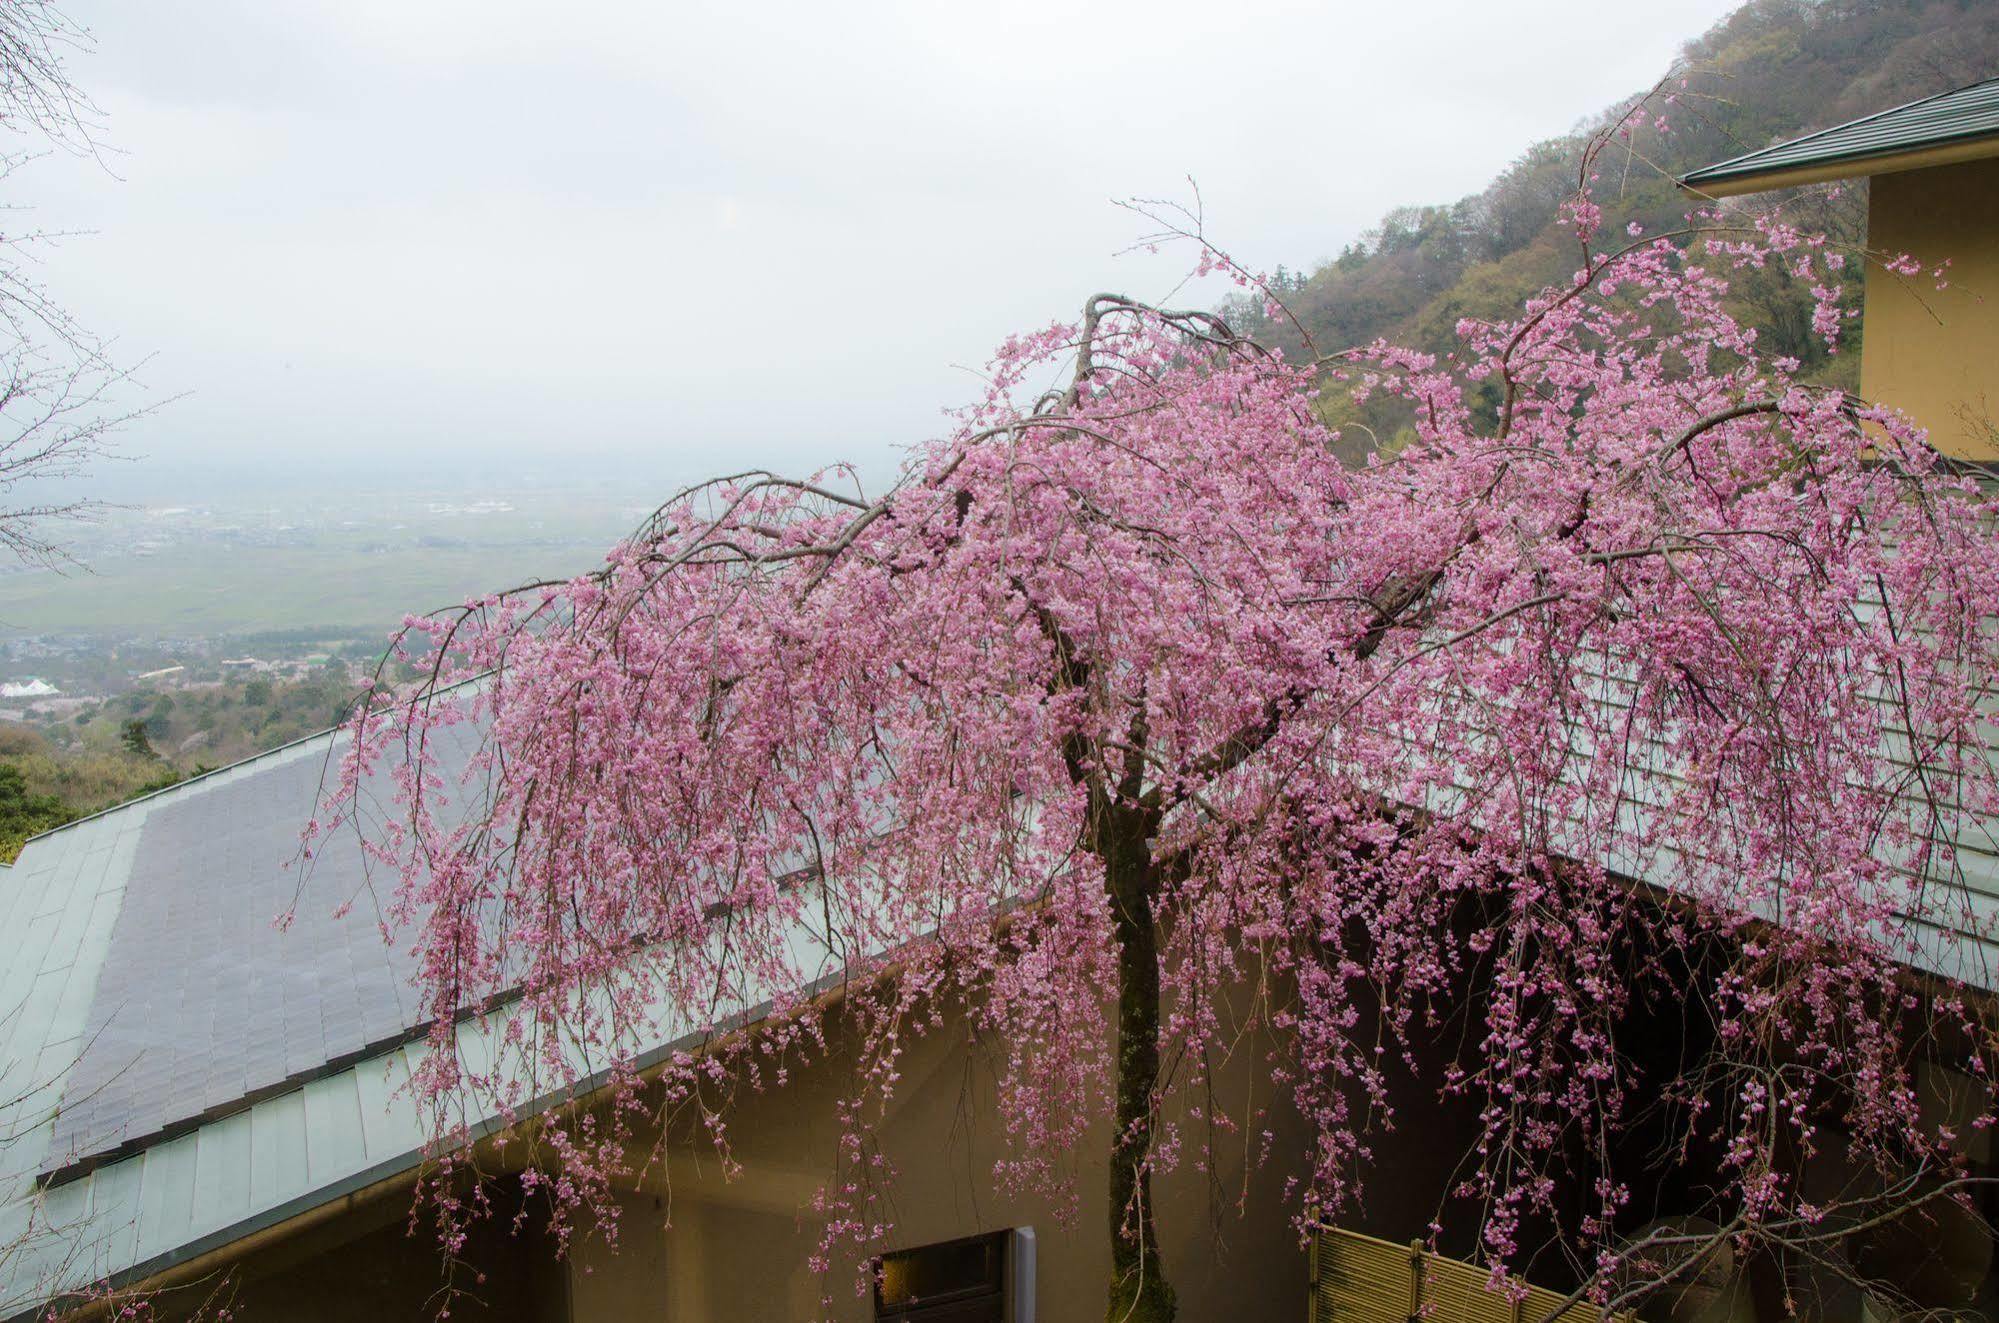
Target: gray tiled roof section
(1966, 114)
(201, 1002)
(203, 1179)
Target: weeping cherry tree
(1126, 696)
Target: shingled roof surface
(171, 1062)
(176, 1072)
(1965, 115)
(203, 1000)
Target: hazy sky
(645, 239)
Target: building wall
(1935, 353)
(368, 1265)
(696, 1247)
(738, 1249)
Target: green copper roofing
(1965, 115)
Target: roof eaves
(1734, 164)
(1780, 161)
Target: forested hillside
(1771, 70)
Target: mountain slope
(1771, 70)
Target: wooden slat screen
(1359, 1279)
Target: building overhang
(1711, 183)
(1948, 128)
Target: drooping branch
(974, 705)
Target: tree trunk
(1139, 1292)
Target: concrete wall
(1935, 353)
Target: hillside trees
(1129, 696)
(1771, 69)
(59, 785)
(24, 813)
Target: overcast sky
(401, 235)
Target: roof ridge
(182, 784)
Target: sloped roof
(1962, 124)
(202, 1000)
(176, 1073)
(150, 1003)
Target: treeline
(43, 786)
(217, 723)
(1771, 70)
(150, 739)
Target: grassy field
(206, 591)
(346, 566)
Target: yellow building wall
(1935, 353)
(737, 1249)
(697, 1247)
(369, 1265)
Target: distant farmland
(211, 576)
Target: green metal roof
(1964, 116)
(143, 1120)
(292, 1105)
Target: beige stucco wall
(695, 1247)
(1935, 353)
(737, 1249)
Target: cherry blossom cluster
(1639, 671)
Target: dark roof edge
(1714, 174)
(1721, 167)
(49, 1177)
(582, 1091)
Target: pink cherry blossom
(1642, 670)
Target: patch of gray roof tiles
(1963, 115)
(204, 1004)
